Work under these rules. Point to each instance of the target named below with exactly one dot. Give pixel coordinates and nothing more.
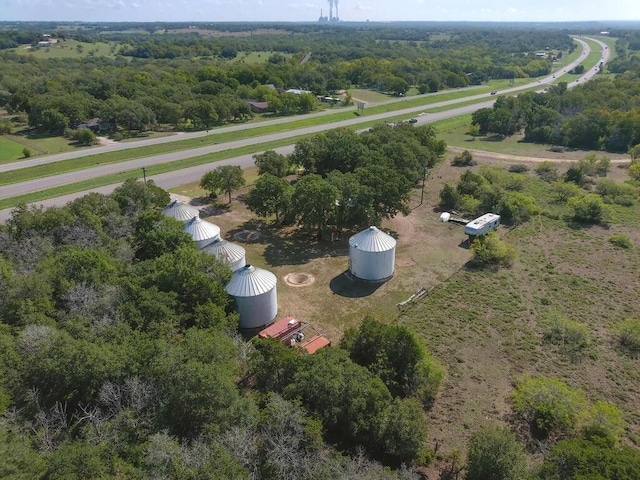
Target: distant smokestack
(336, 3)
(330, 10)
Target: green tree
(548, 405)
(270, 196)
(226, 178)
(314, 202)
(272, 162)
(157, 234)
(494, 454)
(134, 196)
(449, 197)
(84, 136)
(403, 432)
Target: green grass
(9, 149)
(68, 49)
(369, 96)
(39, 145)
(252, 58)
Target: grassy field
(485, 326)
(69, 49)
(9, 149)
(255, 57)
(38, 144)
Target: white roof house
(180, 211)
(482, 225)
(201, 231)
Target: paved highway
(179, 177)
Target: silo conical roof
(225, 250)
(372, 240)
(201, 230)
(250, 281)
(180, 211)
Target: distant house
(95, 125)
(297, 91)
(45, 43)
(258, 107)
(541, 54)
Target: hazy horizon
(309, 11)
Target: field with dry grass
(486, 327)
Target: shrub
(549, 406)
(602, 420)
(490, 251)
(449, 197)
(615, 192)
(26, 153)
(629, 336)
(589, 209)
(563, 191)
(547, 171)
(519, 168)
(516, 208)
(620, 240)
(465, 159)
(572, 337)
(494, 454)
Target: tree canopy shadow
(348, 286)
(297, 248)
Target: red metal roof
(280, 328)
(315, 344)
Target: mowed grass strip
(9, 149)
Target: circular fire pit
(299, 279)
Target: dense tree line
(188, 81)
(603, 114)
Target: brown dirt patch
(247, 236)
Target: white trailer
(482, 225)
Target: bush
(563, 191)
(572, 337)
(548, 405)
(519, 168)
(603, 420)
(465, 159)
(589, 209)
(547, 171)
(490, 251)
(614, 192)
(494, 454)
(629, 336)
(26, 153)
(449, 197)
(620, 240)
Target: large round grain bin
(201, 231)
(372, 255)
(180, 211)
(230, 253)
(254, 290)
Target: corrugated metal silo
(180, 211)
(256, 297)
(230, 253)
(372, 255)
(201, 231)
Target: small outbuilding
(254, 290)
(201, 231)
(227, 252)
(482, 225)
(180, 211)
(372, 255)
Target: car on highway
(494, 92)
(413, 120)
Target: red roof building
(293, 332)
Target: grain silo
(201, 231)
(230, 253)
(372, 255)
(180, 211)
(256, 298)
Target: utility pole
(424, 177)
(144, 174)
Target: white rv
(482, 225)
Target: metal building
(254, 290)
(201, 231)
(230, 253)
(372, 255)
(180, 211)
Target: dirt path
(485, 155)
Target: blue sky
(305, 10)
